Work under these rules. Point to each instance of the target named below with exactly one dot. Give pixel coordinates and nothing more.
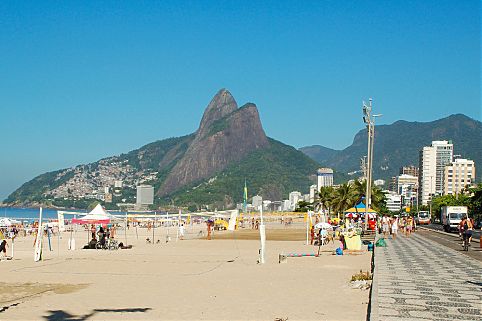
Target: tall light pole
(369, 120)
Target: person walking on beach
(181, 232)
(312, 235)
(208, 223)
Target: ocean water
(29, 213)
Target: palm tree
(325, 198)
(344, 198)
(378, 197)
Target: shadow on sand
(60, 315)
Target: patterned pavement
(418, 279)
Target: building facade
(145, 195)
(324, 177)
(433, 160)
(457, 175)
(409, 170)
(257, 201)
(407, 187)
(295, 197)
(394, 202)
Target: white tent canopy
(99, 214)
(98, 210)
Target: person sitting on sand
(3, 248)
(91, 244)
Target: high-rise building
(325, 177)
(433, 160)
(444, 156)
(295, 197)
(409, 170)
(145, 195)
(457, 175)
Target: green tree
(476, 201)
(325, 198)
(345, 197)
(379, 199)
(448, 200)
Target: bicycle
(465, 243)
(113, 244)
(100, 246)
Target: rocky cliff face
(226, 134)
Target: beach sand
(192, 279)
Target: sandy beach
(191, 279)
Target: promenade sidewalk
(418, 279)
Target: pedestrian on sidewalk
(394, 227)
(385, 225)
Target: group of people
(391, 225)
(102, 234)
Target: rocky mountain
(399, 144)
(208, 167)
(226, 135)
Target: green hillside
(399, 144)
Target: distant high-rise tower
(433, 160)
(145, 195)
(325, 177)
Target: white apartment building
(324, 177)
(457, 175)
(433, 160)
(444, 156)
(394, 201)
(294, 197)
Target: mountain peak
(221, 105)
(226, 135)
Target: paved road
(452, 241)
(417, 279)
(438, 227)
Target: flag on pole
(245, 197)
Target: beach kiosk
(353, 239)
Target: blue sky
(82, 80)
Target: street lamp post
(369, 120)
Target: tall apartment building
(145, 195)
(409, 170)
(433, 160)
(457, 175)
(294, 197)
(325, 177)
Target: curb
(372, 313)
(445, 233)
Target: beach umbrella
(5, 222)
(323, 225)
